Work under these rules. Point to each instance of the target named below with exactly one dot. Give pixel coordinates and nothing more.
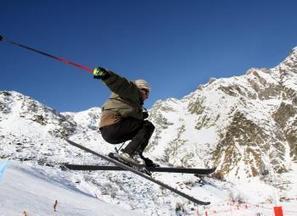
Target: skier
(123, 116)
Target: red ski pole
(65, 61)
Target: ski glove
(100, 73)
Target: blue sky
(174, 44)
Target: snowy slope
(27, 189)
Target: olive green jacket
(125, 101)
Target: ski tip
(200, 202)
(214, 169)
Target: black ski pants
(138, 131)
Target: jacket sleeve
(122, 87)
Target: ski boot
(148, 162)
(135, 161)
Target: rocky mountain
(245, 125)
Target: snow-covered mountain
(245, 125)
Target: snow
(26, 189)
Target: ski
(196, 171)
(139, 173)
